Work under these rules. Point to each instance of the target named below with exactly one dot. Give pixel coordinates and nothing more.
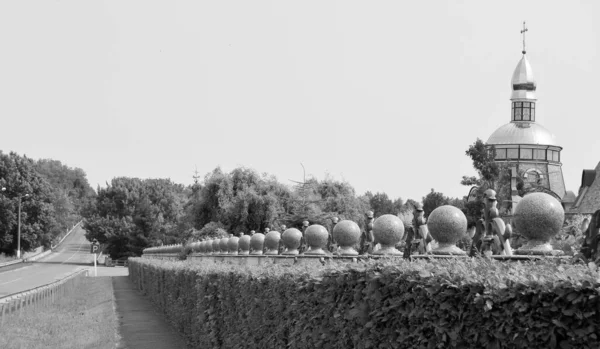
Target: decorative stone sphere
(244, 244)
(223, 245)
(216, 245)
(316, 237)
(388, 230)
(347, 234)
(447, 224)
(256, 243)
(208, 246)
(272, 242)
(233, 244)
(538, 217)
(195, 246)
(291, 240)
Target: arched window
(533, 176)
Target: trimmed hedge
(470, 303)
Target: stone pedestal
(446, 225)
(244, 244)
(272, 242)
(291, 240)
(538, 217)
(388, 230)
(256, 244)
(316, 238)
(233, 245)
(347, 234)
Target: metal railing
(41, 296)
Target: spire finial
(523, 32)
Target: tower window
(526, 153)
(523, 111)
(500, 154)
(539, 154)
(534, 176)
(512, 153)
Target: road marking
(8, 282)
(76, 252)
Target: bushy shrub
(211, 230)
(470, 303)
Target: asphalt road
(72, 254)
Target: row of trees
(52, 197)
(131, 214)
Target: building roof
(588, 200)
(523, 83)
(569, 197)
(522, 133)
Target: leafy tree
(491, 175)
(406, 212)
(319, 201)
(433, 200)
(38, 225)
(131, 214)
(71, 193)
(381, 204)
(211, 230)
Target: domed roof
(522, 133)
(523, 82)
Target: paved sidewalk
(140, 326)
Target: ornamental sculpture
(418, 238)
(590, 249)
(492, 234)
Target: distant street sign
(95, 248)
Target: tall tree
(21, 185)
(131, 214)
(381, 204)
(491, 175)
(71, 193)
(433, 200)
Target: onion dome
(523, 82)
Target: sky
(386, 95)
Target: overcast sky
(386, 95)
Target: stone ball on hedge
(447, 224)
(388, 229)
(257, 242)
(216, 245)
(244, 243)
(291, 238)
(316, 236)
(539, 217)
(233, 244)
(346, 233)
(223, 245)
(272, 240)
(208, 246)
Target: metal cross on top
(523, 32)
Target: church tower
(524, 144)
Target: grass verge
(84, 319)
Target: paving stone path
(140, 326)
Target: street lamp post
(18, 225)
(19, 229)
